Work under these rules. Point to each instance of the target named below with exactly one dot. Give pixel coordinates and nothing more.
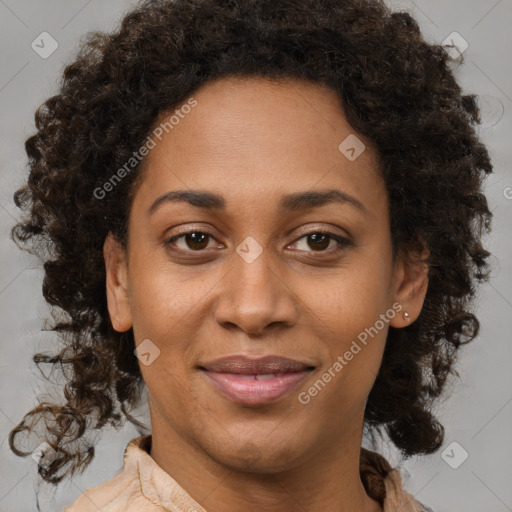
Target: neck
(329, 479)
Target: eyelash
(343, 242)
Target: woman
(268, 214)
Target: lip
(240, 378)
(244, 365)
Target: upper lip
(247, 366)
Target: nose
(254, 296)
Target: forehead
(250, 138)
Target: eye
(323, 241)
(315, 241)
(191, 240)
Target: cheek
(164, 311)
(355, 310)
(355, 297)
(162, 299)
(354, 344)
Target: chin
(256, 457)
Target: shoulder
(107, 497)
(122, 493)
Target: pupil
(316, 238)
(192, 238)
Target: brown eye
(193, 240)
(320, 241)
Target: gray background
(478, 412)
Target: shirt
(143, 486)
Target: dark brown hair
(397, 90)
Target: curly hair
(396, 89)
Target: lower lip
(249, 391)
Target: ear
(411, 283)
(118, 297)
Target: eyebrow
(289, 203)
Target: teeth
(268, 376)
(263, 376)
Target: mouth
(255, 381)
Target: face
(287, 253)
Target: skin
(254, 141)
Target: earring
(406, 315)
